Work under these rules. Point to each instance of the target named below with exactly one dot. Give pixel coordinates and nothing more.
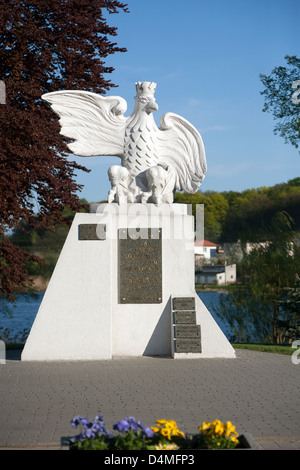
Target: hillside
(247, 215)
(229, 216)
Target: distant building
(217, 275)
(205, 249)
(256, 246)
(265, 245)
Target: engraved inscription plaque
(190, 345)
(92, 232)
(183, 303)
(187, 331)
(184, 317)
(140, 266)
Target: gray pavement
(257, 392)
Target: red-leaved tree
(45, 45)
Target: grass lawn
(272, 348)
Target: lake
(21, 314)
(16, 317)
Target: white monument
(124, 283)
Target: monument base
(113, 289)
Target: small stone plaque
(188, 345)
(140, 266)
(184, 303)
(184, 316)
(92, 232)
(187, 331)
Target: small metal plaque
(187, 331)
(140, 266)
(92, 232)
(184, 303)
(184, 316)
(189, 345)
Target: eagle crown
(145, 89)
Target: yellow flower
(219, 428)
(230, 430)
(217, 433)
(166, 432)
(204, 426)
(167, 428)
(154, 429)
(178, 433)
(160, 422)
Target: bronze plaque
(140, 266)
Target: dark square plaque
(183, 303)
(140, 266)
(92, 232)
(187, 331)
(189, 345)
(184, 316)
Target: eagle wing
(181, 147)
(96, 123)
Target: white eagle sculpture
(155, 161)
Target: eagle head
(145, 97)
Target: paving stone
(258, 392)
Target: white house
(228, 276)
(217, 275)
(205, 249)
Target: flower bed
(131, 434)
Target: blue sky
(206, 57)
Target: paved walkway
(258, 392)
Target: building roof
(205, 243)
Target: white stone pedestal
(82, 317)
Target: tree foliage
(46, 45)
(290, 303)
(267, 269)
(216, 207)
(252, 212)
(230, 216)
(283, 101)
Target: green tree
(290, 303)
(215, 211)
(251, 211)
(266, 270)
(216, 208)
(283, 100)
(46, 45)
